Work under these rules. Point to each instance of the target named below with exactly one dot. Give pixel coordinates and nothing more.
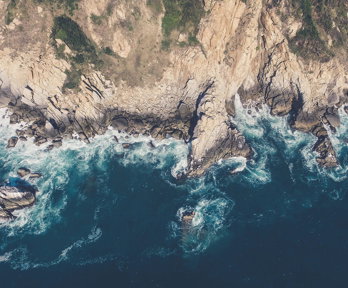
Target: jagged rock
(40, 140)
(229, 105)
(22, 171)
(327, 156)
(346, 109)
(11, 198)
(305, 122)
(319, 131)
(57, 143)
(333, 118)
(20, 132)
(151, 144)
(280, 102)
(14, 118)
(12, 142)
(49, 148)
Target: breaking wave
(80, 194)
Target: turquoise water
(110, 216)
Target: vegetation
(69, 5)
(97, 20)
(11, 11)
(317, 17)
(109, 51)
(70, 33)
(73, 78)
(83, 50)
(181, 16)
(155, 5)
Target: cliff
(172, 68)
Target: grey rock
(119, 123)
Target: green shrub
(11, 11)
(183, 16)
(73, 78)
(69, 31)
(69, 5)
(97, 20)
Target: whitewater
(104, 203)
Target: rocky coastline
(185, 92)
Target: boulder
(40, 140)
(22, 171)
(57, 143)
(333, 119)
(14, 118)
(120, 123)
(12, 142)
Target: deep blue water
(110, 217)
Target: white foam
(208, 221)
(76, 155)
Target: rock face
(186, 91)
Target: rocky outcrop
(17, 193)
(185, 92)
(12, 198)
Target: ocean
(109, 216)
